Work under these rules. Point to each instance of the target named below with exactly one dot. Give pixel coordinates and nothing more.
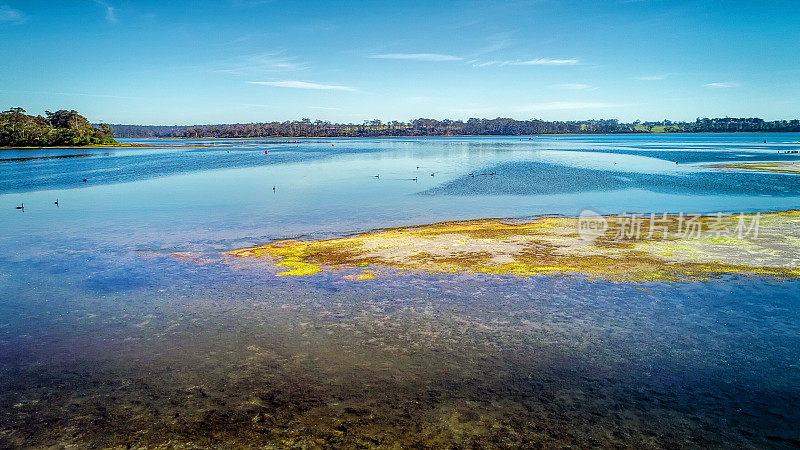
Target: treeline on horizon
(60, 128)
(433, 127)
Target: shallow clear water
(100, 326)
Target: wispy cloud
(430, 57)
(657, 77)
(574, 86)
(261, 63)
(476, 63)
(476, 111)
(10, 15)
(325, 108)
(722, 85)
(111, 16)
(529, 62)
(304, 85)
(545, 62)
(565, 106)
(535, 108)
(496, 42)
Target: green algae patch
(364, 275)
(298, 267)
(635, 248)
(779, 167)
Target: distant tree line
(446, 127)
(60, 128)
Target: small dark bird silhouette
(273, 188)
(21, 206)
(431, 174)
(413, 179)
(417, 167)
(376, 176)
(56, 202)
(84, 180)
(493, 173)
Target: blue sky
(185, 62)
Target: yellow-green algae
(779, 167)
(643, 248)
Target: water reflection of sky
(89, 286)
(329, 185)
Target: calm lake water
(107, 338)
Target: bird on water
(21, 206)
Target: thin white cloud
(529, 62)
(496, 42)
(534, 108)
(10, 15)
(261, 63)
(111, 16)
(485, 63)
(545, 62)
(657, 77)
(430, 57)
(294, 84)
(565, 106)
(325, 108)
(722, 85)
(574, 86)
(477, 111)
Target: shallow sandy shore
(640, 248)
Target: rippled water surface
(122, 323)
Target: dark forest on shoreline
(54, 129)
(433, 127)
(68, 128)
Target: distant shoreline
(172, 138)
(250, 138)
(74, 146)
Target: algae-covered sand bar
(634, 248)
(791, 167)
